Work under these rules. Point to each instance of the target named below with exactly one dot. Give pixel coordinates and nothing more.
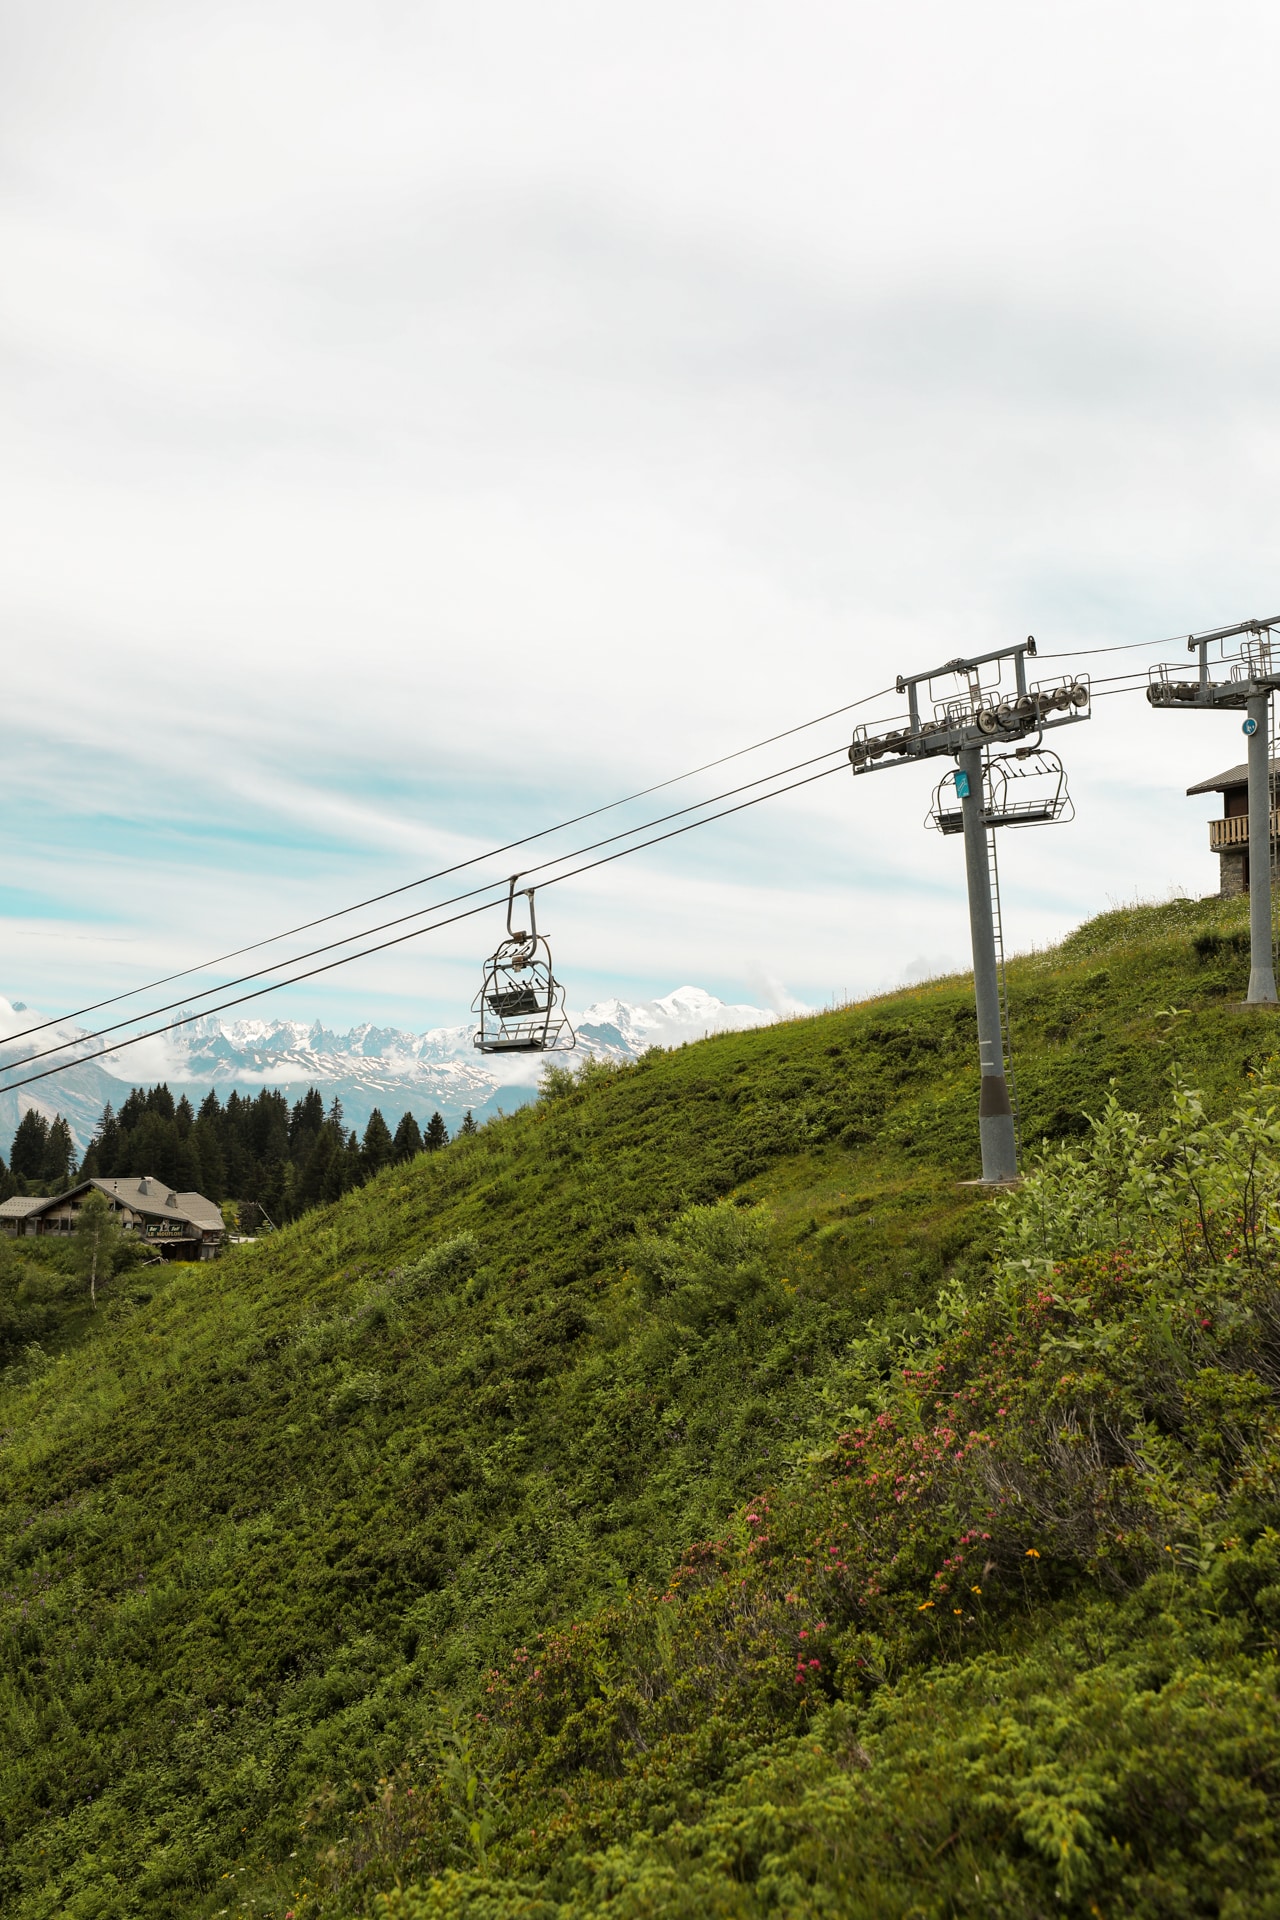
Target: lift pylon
(974, 715)
(1251, 658)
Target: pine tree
(408, 1140)
(100, 1161)
(213, 1167)
(59, 1154)
(379, 1148)
(437, 1134)
(311, 1185)
(26, 1155)
(154, 1147)
(305, 1123)
(468, 1124)
(189, 1173)
(8, 1185)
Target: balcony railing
(1234, 831)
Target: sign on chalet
(178, 1226)
(1229, 837)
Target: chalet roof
(1233, 777)
(147, 1195)
(143, 1193)
(20, 1205)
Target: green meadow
(687, 1496)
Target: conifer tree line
(256, 1148)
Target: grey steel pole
(995, 1114)
(1262, 979)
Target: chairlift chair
(1006, 800)
(520, 1002)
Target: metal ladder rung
(1006, 1034)
(1273, 781)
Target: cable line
(442, 873)
(485, 888)
(153, 1013)
(414, 933)
(1127, 646)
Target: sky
(422, 425)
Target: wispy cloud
(421, 427)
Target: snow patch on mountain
(368, 1066)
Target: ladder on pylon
(1273, 805)
(1006, 1033)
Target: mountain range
(369, 1066)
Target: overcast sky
(422, 424)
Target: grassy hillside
(275, 1535)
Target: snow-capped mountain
(368, 1067)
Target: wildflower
(975, 1589)
(925, 1608)
(1032, 1553)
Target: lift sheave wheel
(520, 1002)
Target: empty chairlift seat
(520, 1002)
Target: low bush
(1008, 1644)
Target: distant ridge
(369, 1066)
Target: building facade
(177, 1226)
(1229, 836)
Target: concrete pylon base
(996, 1132)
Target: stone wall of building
(1234, 873)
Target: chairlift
(1026, 788)
(520, 1002)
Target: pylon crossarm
(1253, 668)
(984, 718)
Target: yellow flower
(1032, 1553)
(925, 1608)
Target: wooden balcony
(1234, 832)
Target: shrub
(447, 1265)
(1102, 1419)
(353, 1394)
(712, 1261)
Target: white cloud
(422, 425)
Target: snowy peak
(621, 1030)
(368, 1066)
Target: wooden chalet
(1229, 836)
(178, 1226)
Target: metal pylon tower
(1003, 777)
(1247, 652)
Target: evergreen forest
(686, 1497)
(255, 1149)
